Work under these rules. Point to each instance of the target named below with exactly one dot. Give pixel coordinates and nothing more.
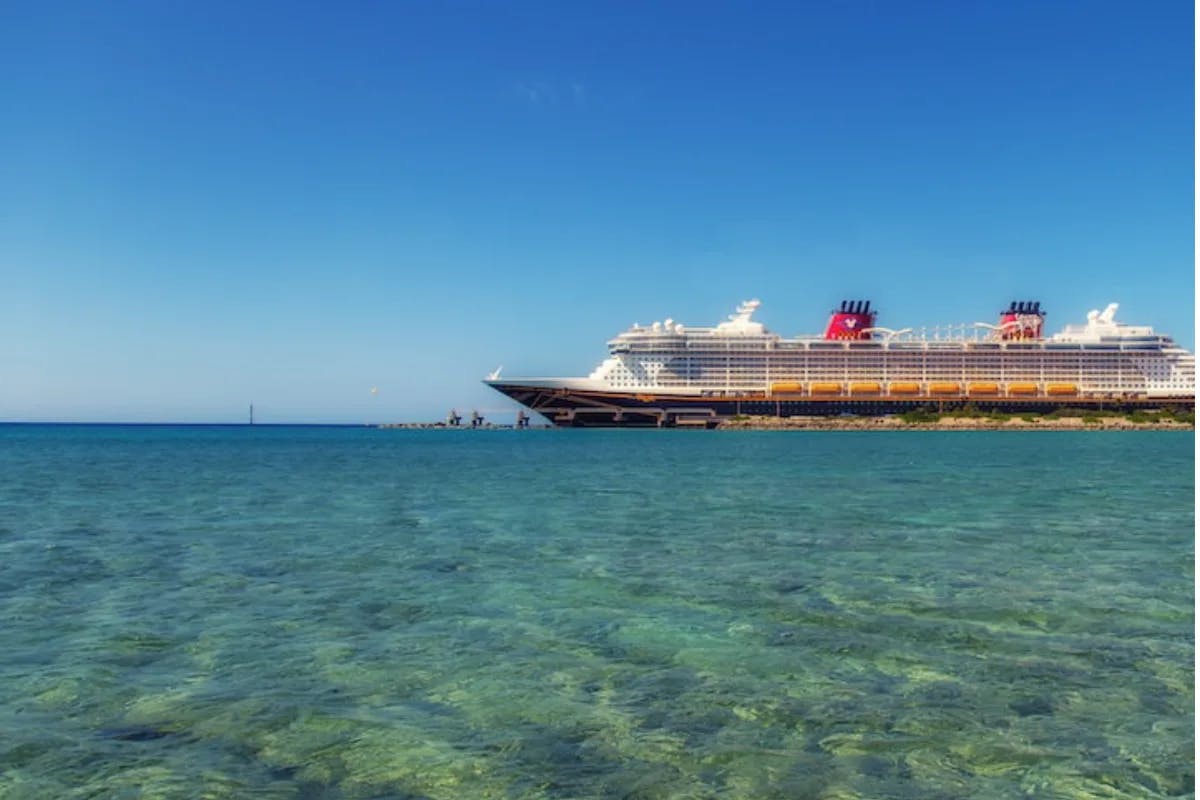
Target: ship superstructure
(668, 373)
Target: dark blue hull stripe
(569, 407)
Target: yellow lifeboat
(943, 388)
(983, 388)
(786, 387)
(1061, 389)
(865, 387)
(826, 388)
(1022, 388)
(904, 387)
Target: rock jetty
(953, 423)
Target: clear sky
(212, 203)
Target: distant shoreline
(1096, 422)
(949, 422)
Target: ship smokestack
(850, 320)
(1022, 320)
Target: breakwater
(956, 423)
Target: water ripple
(322, 613)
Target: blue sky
(208, 204)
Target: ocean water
(359, 613)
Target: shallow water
(357, 613)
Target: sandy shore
(948, 424)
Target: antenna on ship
(252, 413)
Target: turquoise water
(355, 613)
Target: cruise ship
(668, 374)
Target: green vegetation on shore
(1087, 415)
